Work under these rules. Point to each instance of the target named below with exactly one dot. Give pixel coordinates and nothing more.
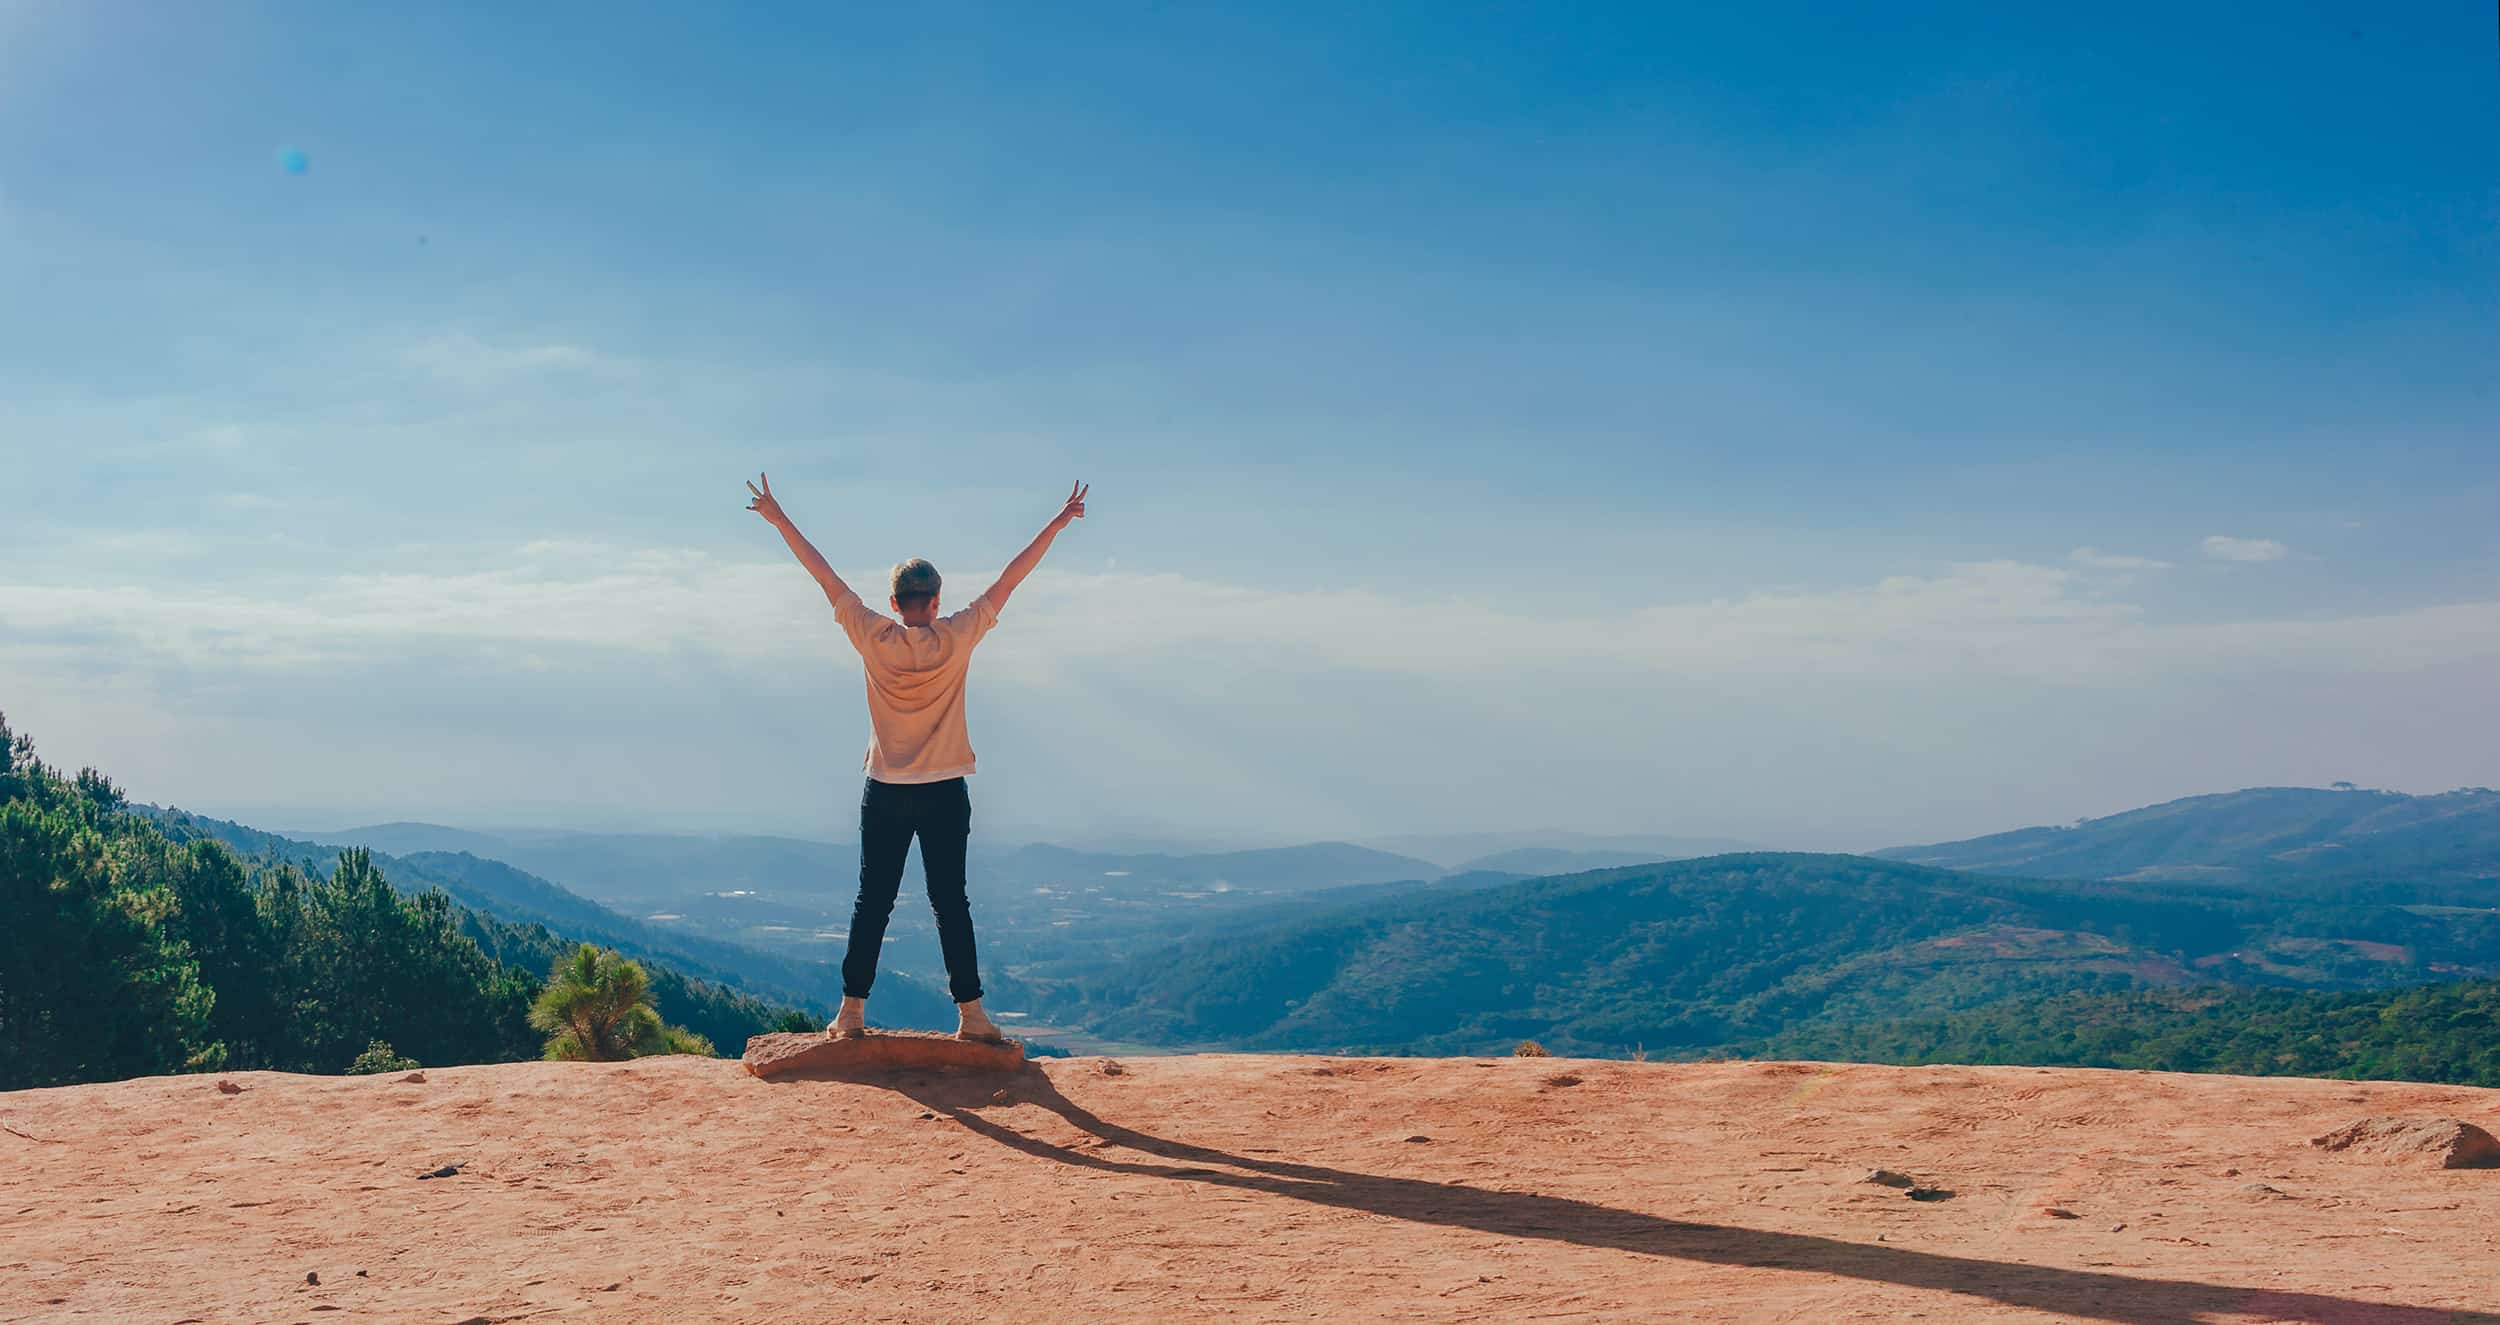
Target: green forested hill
(128, 952)
(2279, 835)
(1698, 955)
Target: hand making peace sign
(765, 506)
(1074, 509)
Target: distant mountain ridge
(1459, 852)
(400, 838)
(646, 870)
(630, 870)
(1309, 867)
(1534, 861)
(2257, 835)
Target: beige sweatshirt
(916, 688)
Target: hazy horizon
(314, 824)
(1829, 430)
(299, 822)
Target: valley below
(2163, 933)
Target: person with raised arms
(918, 754)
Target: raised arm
(806, 552)
(1008, 579)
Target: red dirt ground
(1250, 1188)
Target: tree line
(2446, 1033)
(127, 952)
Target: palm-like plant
(597, 1007)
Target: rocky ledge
(793, 1055)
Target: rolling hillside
(1698, 955)
(2260, 835)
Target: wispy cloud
(2001, 617)
(465, 360)
(566, 664)
(2098, 560)
(2223, 547)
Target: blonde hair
(914, 579)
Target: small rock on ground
(2450, 1143)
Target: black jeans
(890, 814)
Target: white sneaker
(851, 1022)
(971, 1023)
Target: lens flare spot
(293, 161)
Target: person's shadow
(2074, 1293)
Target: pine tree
(93, 982)
(597, 1007)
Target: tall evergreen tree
(93, 981)
(381, 966)
(220, 917)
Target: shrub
(679, 1040)
(1530, 1049)
(379, 1056)
(597, 1007)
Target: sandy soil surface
(1251, 1188)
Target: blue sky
(1802, 424)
